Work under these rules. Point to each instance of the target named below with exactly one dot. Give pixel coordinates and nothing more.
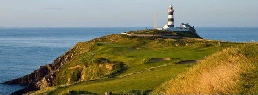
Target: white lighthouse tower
(170, 16)
(170, 23)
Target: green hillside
(233, 70)
(124, 64)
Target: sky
(127, 13)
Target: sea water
(23, 50)
(232, 34)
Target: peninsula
(129, 64)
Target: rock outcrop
(74, 66)
(44, 76)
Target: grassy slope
(231, 71)
(134, 52)
(142, 81)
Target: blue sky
(127, 13)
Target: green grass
(133, 52)
(142, 81)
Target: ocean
(23, 50)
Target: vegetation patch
(230, 71)
(94, 69)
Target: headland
(168, 60)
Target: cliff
(45, 75)
(53, 74)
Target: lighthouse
(170, 23)
(170, 16)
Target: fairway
(143, 81)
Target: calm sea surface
(23, 50)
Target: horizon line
(132, 27)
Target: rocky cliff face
(71, 67)
(44, 76)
